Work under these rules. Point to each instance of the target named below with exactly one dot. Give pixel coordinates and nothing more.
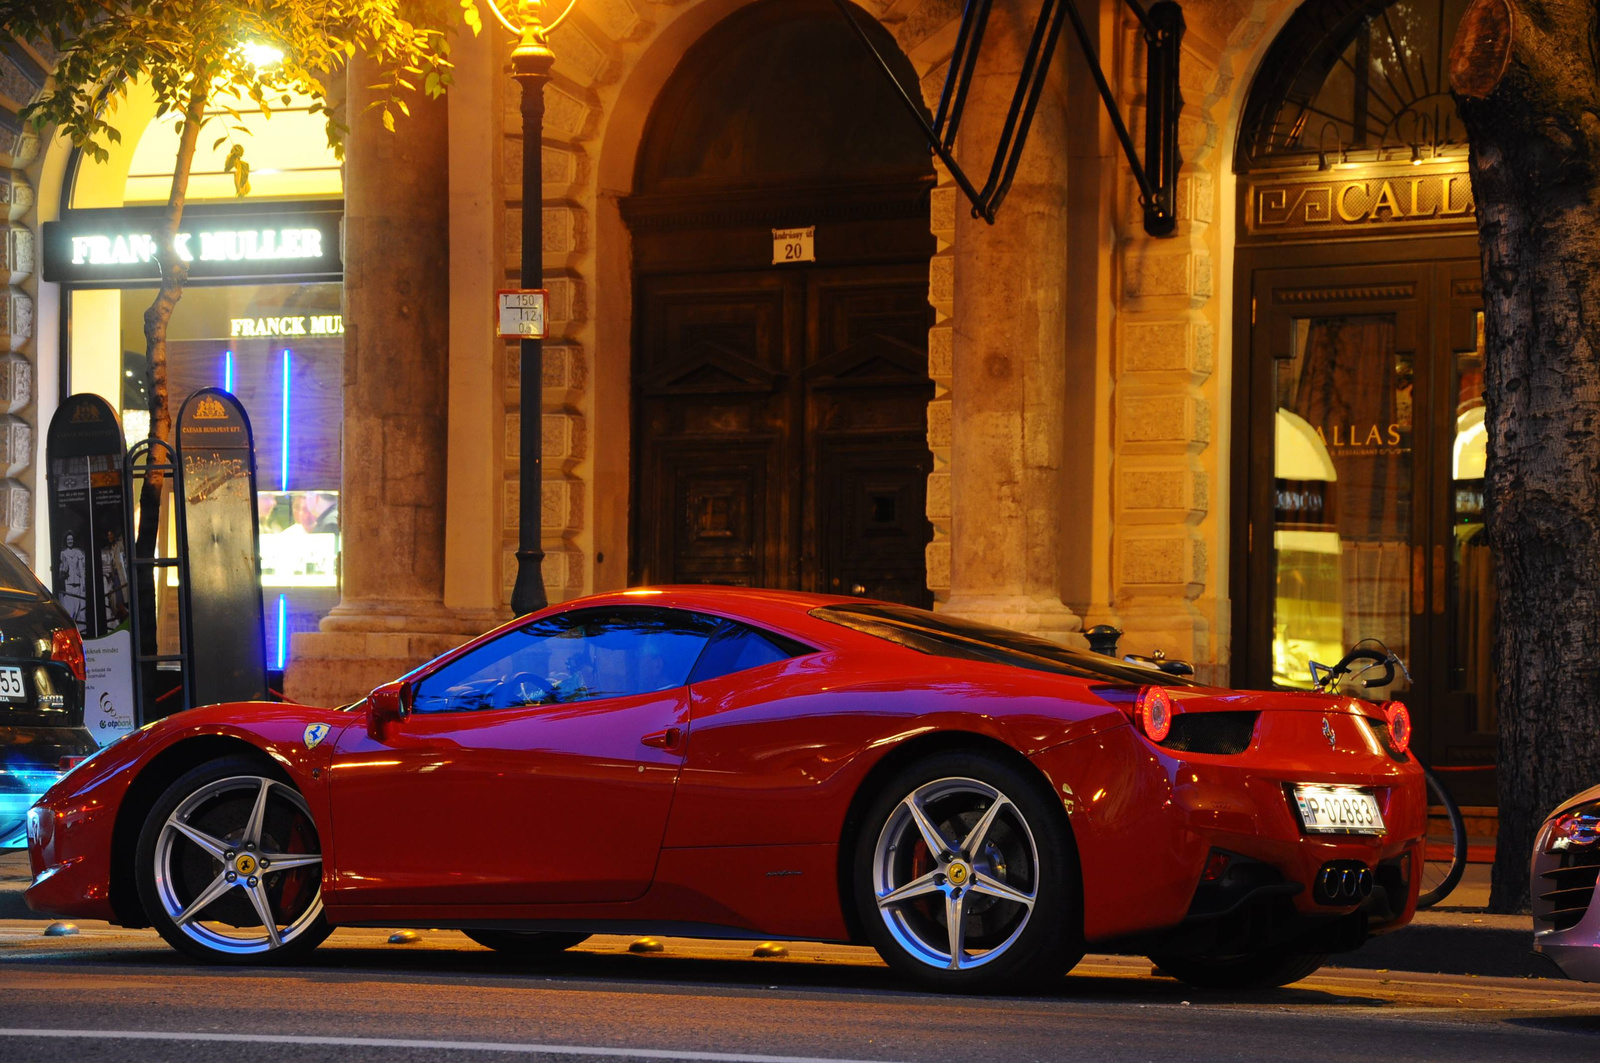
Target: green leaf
(388, 120)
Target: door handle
(1438, 579)
(667, 739)
(1419, 593)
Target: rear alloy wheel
(966, 878)
(229, 866)
(1267, 969)
(531, 944)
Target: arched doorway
(1359, 320)
(780, 407)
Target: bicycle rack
(147, 449)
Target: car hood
(281, 730)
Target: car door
(538, 768)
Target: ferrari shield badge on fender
(315, 733)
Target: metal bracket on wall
(1157, 176)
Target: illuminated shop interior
(277, 346)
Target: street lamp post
(530, 65)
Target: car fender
(91, 818)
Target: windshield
(947, 636)
(15, 579)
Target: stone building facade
(1085, 431)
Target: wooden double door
(1363, 406)
(781, 429)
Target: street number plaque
(794, 245)
(520, 314)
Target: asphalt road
(107, 994)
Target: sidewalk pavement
(1457, 938)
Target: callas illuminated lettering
(1449, 180)
(1386, 201)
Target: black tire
(1439, 877)
(1044, 942)
(1268, 969)
(532, 944)
(298, 892)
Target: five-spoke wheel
(965, 876)
(229, 866)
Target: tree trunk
(1527, 85)
(174, 272)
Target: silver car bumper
(1566, 915)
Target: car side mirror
(390, 703)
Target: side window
(738, 647)
(581, 656)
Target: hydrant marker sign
(520, 314)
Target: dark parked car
(41, 696)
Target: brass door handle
(1438, 579)
(1419, 591)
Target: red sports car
(977, 804)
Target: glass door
(1335, 525)
(1462, 717)
(1365, 497)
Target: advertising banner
(226, 632)
(89, 557)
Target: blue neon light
(283, 631)
(227, 372)
(285, 470)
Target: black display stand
(218, 528)
(90, 573)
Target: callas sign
(217, 242)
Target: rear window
(946, 636)
(15, 579)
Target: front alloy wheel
(970, 877)
(230, 868)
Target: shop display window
(279, 348)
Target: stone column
(391, 615)
(1009, 381)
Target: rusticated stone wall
(23, 70)
(1173, 352)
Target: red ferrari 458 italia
(980, 806)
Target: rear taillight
(1154, 711)
(66, 646)
(68, 763)
(1399, 725)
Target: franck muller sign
(216, 241)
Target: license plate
(1338, 810)
(11, 688)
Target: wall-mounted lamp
(1323, 162)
